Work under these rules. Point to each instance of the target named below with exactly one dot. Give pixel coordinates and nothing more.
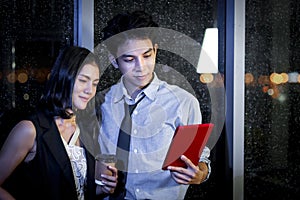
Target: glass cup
(102, 161)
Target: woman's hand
(109, 181)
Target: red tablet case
(188, 140)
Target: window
(32, 32)
(189, 19)
(272, 99)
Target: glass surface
(32, 32)
(272, 87)
(190, 18)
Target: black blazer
(49, 175)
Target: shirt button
(135, 112)
(135, 131)
(135, 150)
(137, 190)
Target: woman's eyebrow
(85, 76)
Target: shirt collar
(150, 91)
(121, 91)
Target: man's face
(136, 61)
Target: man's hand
(192, 174)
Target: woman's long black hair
(57, 96)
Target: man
(160, 108)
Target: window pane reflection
(191, 18)
(31, 34)
(272, 100)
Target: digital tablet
(188, 140)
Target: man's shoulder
(110, 90)
(107, 93)
(175, 84)
(178, 91)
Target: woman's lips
(85, 99)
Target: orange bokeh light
(22, 77)
(11, 77)
(248, 78)
(206, 78)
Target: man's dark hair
(127, 21)
(128, 25)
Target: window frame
(232, 12)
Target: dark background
(32, 32)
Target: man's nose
(140, 63)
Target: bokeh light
(11, 77)
(22, 77)
(276, 78)
(249, 78)
(206, 78)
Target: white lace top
(78, 161)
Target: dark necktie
(123, 146)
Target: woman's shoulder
(25, 131)
(14, 119)
(20, 140)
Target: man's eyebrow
(150, 49)
(129, 55)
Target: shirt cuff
(205, 158)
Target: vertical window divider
(238, 99)
(84, 23)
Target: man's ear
(155, 46)
(113, 60)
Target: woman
(43, 156)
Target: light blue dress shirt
(154, 121)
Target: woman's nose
(88, 89)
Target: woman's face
(85, 85)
